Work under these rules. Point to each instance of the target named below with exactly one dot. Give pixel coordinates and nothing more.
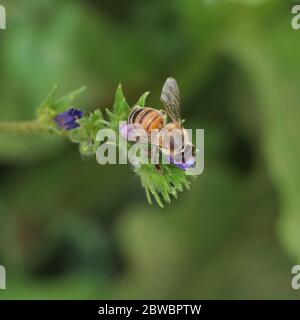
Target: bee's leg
(159, 169)
(153, 153)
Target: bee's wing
(170, 97)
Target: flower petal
(67, 119)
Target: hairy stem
(26, 127)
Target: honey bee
(150, 119)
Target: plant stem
(26, 127)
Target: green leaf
(120, 104)
(49, 101)
(142, 100)
(66, 101)
(120, 111)
(162, 186)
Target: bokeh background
(70, 228)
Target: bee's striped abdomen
(148, 118)
(134, 113)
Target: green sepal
(86, 134)
(53, 106)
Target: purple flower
(68, 119)
(190, 163)
(127, 128)
(124, 130)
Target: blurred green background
(70, 228)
